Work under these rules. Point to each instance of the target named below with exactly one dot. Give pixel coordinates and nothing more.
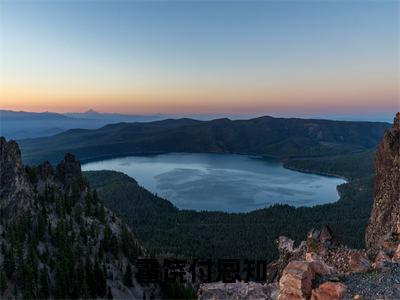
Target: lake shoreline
(283, 161)
(223, 182)
(308, 171)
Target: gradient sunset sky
(200, 57)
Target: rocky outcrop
(14, 182)
(384, 224)
(287, 253)
(318, 265)
(57, 239)
(69, 173)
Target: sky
(201, 57)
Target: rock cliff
(14, 183)
(383, 231)
(56, 237)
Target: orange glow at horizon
(200, 57)
(300, 95)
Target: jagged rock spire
(10, 164)
(15, 188)
(69, 172)
(384, 225)
(397, 121)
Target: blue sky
(222, 57)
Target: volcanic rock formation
(383, 231)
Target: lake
(223, 182)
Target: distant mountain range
(20, 124)
(279, 137)
(114, 117)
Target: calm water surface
(231, 183)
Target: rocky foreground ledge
(320, 268)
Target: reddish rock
(329, 291)
(358, 263)
(396, 256)
(287, 253)
(380, 261)
(296, 281)
(318, 265)
(389, 247)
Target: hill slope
(57, 239)
(265, 136)
(165, 229)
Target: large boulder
(296, 281)
(358, 263)
(318, 265)
(384, 223)
(396, 256)
(329, 291)
(381, 260)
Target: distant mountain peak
(92, 112)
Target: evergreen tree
(95, 198)
(29, 285)
(9, 262)
(101, 250)
(88, 205)
(126, 241)
(80, 286)
(49, 230)
(3, 281)
(20, 265)
(61, 286)
(102, 214)
(32, 259)
(44, 291)
(109, 294)
(128, 276)
(41, 227)
(90, 278)
(107, 233)
(114, 246)
(100, 278)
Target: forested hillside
(57, 239)
(269, 136)
(350, 166)
(165, 229)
